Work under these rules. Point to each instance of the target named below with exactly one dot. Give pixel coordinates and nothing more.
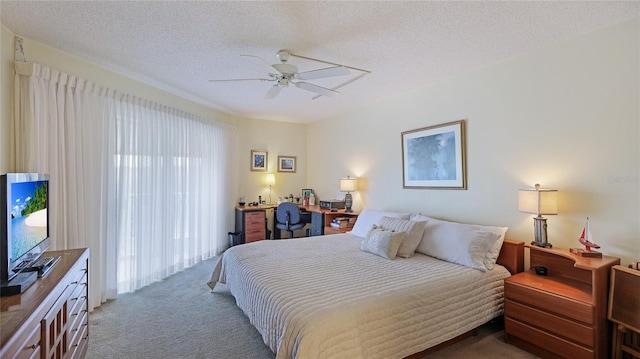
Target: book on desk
(343, 222)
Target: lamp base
(540, 228)
(542, 244)
(348, 202)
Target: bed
(326, 297)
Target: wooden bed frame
(511, 257)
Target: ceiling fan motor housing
(286, 69)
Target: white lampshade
(347, 184)
(538, 201)
(271, 179)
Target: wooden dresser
(50, 319)
(562, 314)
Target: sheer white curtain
(142, 185)
(172, 190)
(64, 126)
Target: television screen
(24, 221)
(28, 216)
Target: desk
(320, 221)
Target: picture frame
(434, 157)
(259, 160)
(306, 193)
(287, 164)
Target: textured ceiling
(180, 45)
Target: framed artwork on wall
(286, 163)
(434, 157)
(259, 160)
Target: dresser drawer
(25, 345)
(255, 235)
(254, 218)
(550, 302)
(569, 329)
(549, 342)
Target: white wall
(278, 139)
(566, 117)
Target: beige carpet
(181, 318)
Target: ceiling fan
(283, 74)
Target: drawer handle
(32, 346)
(82, 311)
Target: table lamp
(539, 201)
(348, 185)
(271, 180)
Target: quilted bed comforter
(322, 297)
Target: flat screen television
(24, 220)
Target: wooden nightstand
(562, 314)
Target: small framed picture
(306, 193)
(286, 163)
(259, 160)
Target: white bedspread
(322, 297)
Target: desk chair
(289, 218)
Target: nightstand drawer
(550, 302)
(551, 343)
(549, 322)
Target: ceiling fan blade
(326, 72)
(273, 92)
(262, 62)
(315, 88)
(226, 80)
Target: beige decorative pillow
(412, 238)
(382, 242)
(371, 216)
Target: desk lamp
(348, 185)
(539, 201)
(271, 181)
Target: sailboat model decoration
(587, 240)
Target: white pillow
(438, 231)
(382, 242)
(369, 217)
(413, 236)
